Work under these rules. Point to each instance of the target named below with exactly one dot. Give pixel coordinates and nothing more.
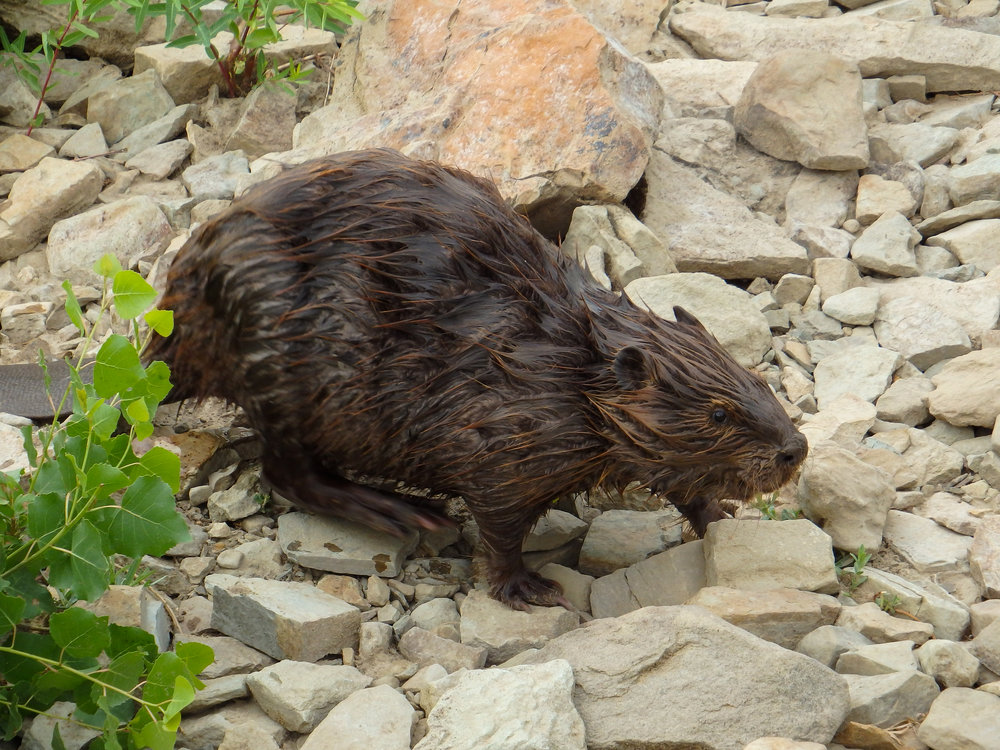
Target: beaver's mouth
(739, 482)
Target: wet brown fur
(380, 316)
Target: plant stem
(52, 67)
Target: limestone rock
(949, 663)
(930, 548)
(618, 538)
(950, 59)
(905, 401)
(912, 141)
(881, 627)
(972, 243)
(779, 615)
(284, 619)
(887, 699)
(632, 661)
(856, 307)
(298, 694)
(887, 246)
(776, 112)
(864, 371)
(43, 195)
(920, 333)
(425, 648)
(126, 105)
(19, 153)
(376, 717)
(505, 632)
(725, 310)
(977, 180)
(702, 86)
(984, 557)
(503, 65)
(962, 719)
(186, 72)
(130, 229)
(967, 389)
(742, 555)
(847, 498)
(341, 546)
(879, 658)
(707, 230)
(877, 196)
(527, 707)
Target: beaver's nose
(793, 451)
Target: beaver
(378, 316)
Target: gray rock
(905, 401)
(163, 129)
(124, 106)
(162, 160)
(742, 555)
(298, 695)
(971, 243)
(887, 246)
(218, 691)
(782, 616)
(725, 310)
(864, 371)
(920, 333)
(266, 121)
(671, 577)
(847, 497)
(709, 231)
(962, 719)
(942, 221)
(967, 389)
(879, 658)
(984, 557)
(425, 648)
(775, 112)
(86, 142)
(610, 596)
(887, 699)
(856, 307)
(504, 632)
(216, 176)
(553, 530)
(618, 538)
(914, 141)
(341, 546)
(526, 707)
(38, 733)
(376, 717)
(930, 548)
(438, 616)
(237, 502)
(129, 229)
(949, 663)
(977, 180)
(881, 627)
(820, 198)
(624, 665)
(826, 643)
(186, 72)
(231, 656)
(986, 646)
(39, 197)
(877, 196)
(928, 603)
(283, 619)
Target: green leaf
(183, 695)
(23, 584)
(117, 367)
(196, 656)
(136, 412)
(160, 462)
(83, 569)
(46, 515)
(73, 309)
(104, 420)
(161, 321)
(104, 479)
(11, 613)
(107, 266)
(147, 523)
(133, 295)
(80, 633)
(29, 444)
(56, 476)
(259, 37)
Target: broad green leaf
(160, 462)
(147, 523)
(196, 656)
(73, 309)
(183, 695)
(117, 367)
(104, 418)
(136, 412)
(153, 735)
(29, 444)
(161, 321)
(23, 584)
(11, 613)
(126, 639)
(20, 667)
(259, 37)
(83, 568)
(107, 266)
(55, 476)
(133, 295)
(79, 632)
(104, 479)
(56, 739)
(46, 515)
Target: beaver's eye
(719, 416)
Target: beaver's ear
(633, 368)
(683, 316)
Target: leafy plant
(850, 568)
(253, 25)
(888, 602)
(87, 497)
(765, 504)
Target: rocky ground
(819, 183)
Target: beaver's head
(687, 420)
